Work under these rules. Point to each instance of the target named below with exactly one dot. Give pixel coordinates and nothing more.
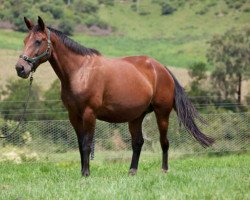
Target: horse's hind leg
(162, 122)
(135, 128)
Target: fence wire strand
(55, 140)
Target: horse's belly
(119, 114)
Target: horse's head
(37, 48)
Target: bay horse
(113, 90)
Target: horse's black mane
(74, 46)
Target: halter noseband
(36, 58)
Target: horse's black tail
(187, 114)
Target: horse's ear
(28, 23)
(41, 23)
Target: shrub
(45, 7)
(143, 12)
(66, 26)
(15, 92)
(235, 4)
(54, 93)
(212, 4)
(246, 9)
(57, 12)
(19, 25)
(133, 7)
(7, 126)
(16, 13)
(106, 2)
(167, 9)
(199, 86)
(202, 11)
(95, 21)
(85, 7)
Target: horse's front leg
(84, 127)
(85, 139)
(84, 142)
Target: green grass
(182, 23)
(225, 177)
(11, 40)
(168, 51)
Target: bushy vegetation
(66, 26)
(229, 53)
(62, 13)
(167, 9)
(42, 104)
(200, 88)
(15, 93)
(100, 12)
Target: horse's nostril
(20, 68)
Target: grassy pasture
(206, 177)
(171, 52)
(110, 46)
(183, 24)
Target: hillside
(176, 39)
(193, 20)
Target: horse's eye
(38, 42)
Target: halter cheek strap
(33, 60)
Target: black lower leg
(135, 128)
(137, 146)
(84, 148)
(80, 150)
(165, 147)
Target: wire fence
(55, 140)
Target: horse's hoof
(164, 171)
(85, 174)
(132, 172)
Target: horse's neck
(65, 62)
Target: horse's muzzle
(21, 71)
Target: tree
(199, 86)
(15, 93)
(53, 104)
(18, 9)
(230, 54)
(66, 26)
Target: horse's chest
(78, 100)
(73, 100)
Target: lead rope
(24, 110)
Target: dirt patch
(6, 25)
